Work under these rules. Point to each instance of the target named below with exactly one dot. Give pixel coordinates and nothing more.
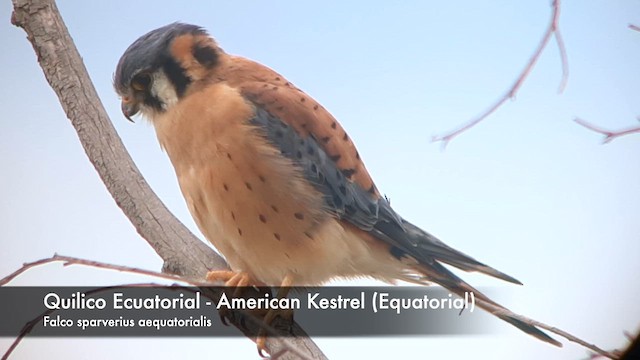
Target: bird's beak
(129, 108)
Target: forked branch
(609, 135)
(552, 31)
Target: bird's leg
(283, 291)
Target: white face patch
(163, 90)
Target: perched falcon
(270, 176)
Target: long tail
(439, 274)
(430, 253)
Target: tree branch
(552, 31)
(609, 135)
(182, 252)
(498, 310)
(250, 324)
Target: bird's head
(161, 66)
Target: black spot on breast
(299, 216)
(226, 187)
(239, 231)
(277, 236)
(334, 125)
(335, 158)
(325, 139)
(248, 185)
(262, 178)
(262, 218)
(274, 208)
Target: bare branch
(182, 252)
(499, 310)
(69, 260)
(552, 30)
(609, 135)
(564, 59)
(634, 27)
(287, 346)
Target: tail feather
(437, 273)
(425, 254)
(446, 254)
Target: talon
(261, 343)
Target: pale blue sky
(528, 191)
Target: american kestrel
(271, 178)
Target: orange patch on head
(181, 47)
(182, 50)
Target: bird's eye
(141, 82)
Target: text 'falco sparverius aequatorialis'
(270, 176)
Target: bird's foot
(237, 280)
(232, 278)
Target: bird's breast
(251, 202)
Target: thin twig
(496, 310)
(609, 135)
(618, 352)
(552, 30)
(634, 27)
(68, 260)
(288, 346)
